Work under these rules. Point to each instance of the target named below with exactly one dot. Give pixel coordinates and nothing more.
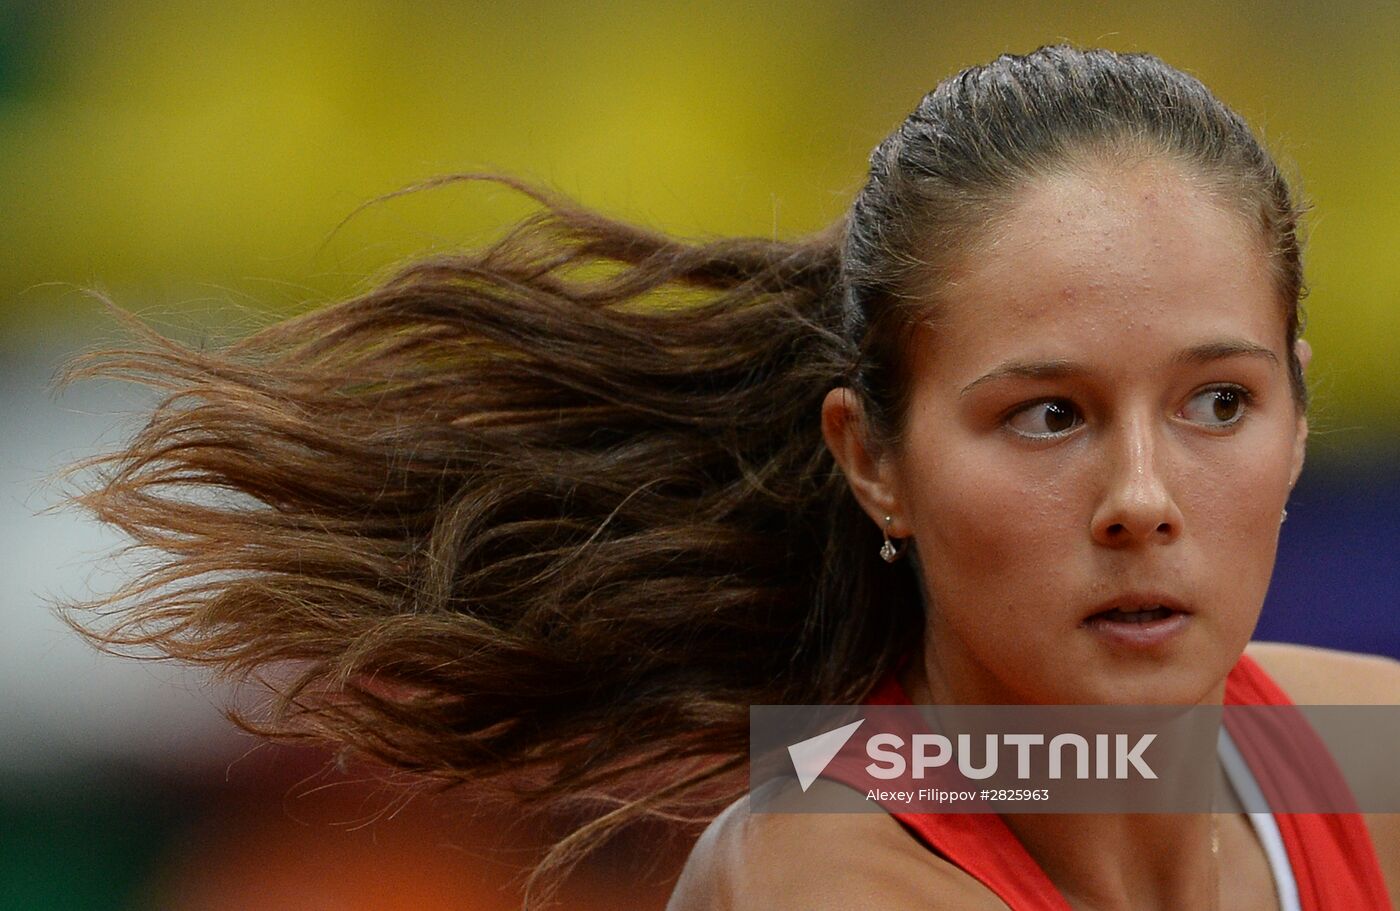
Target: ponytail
(550, 513)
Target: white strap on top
(1265, 826)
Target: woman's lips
(1139, 628)
(1141, 615)
(1139, 619)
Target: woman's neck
(1111, 861)
(1121, 861)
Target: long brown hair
(557, 511)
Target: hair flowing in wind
(554, 512)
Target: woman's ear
(1300, 440)
(868, 470)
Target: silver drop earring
(1283, 518)
(890, 551)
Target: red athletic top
(1333, 860)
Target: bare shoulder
(1320, 676)
(820, 862)
(1323, 676)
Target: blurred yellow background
(195, 161)
(195, 151)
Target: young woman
(1021, 429)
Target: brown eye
(1045, 419)
(1219, 407)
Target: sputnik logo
(811, 756)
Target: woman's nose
(1136, 504)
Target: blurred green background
(195, 160)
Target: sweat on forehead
(1094, 222)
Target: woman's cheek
(1233, 520)
(1235, 498)
(991, 524)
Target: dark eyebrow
(1214, 351)
(1031, 370)
(1199, 354)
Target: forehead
(1110, 260)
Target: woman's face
(1101, 417)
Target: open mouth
(1139, 621)
(1145, 614)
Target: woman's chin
(1169, 684)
